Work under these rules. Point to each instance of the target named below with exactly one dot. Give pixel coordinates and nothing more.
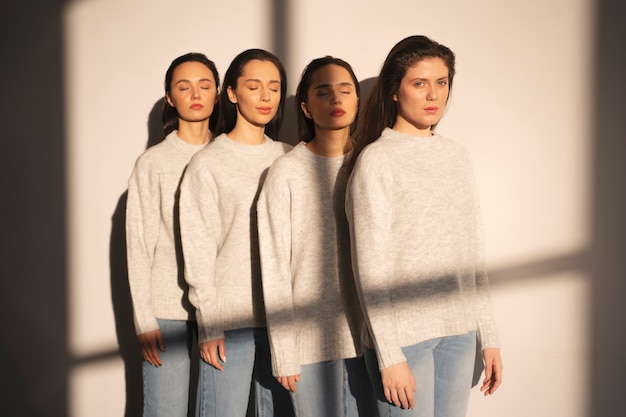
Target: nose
(336, 97)
(265, 94)
(431, 94)
(195, 92)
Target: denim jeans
(339, 388)
(166, 388)
(442, 369)
(226, 393)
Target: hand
(493, 370)
(288, 382)
(399, 385)
(149, 344)
(212, 352)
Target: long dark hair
(228, 111)
(306, 126)
(379, 111)
(169, 116)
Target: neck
(247, 134)
(195, 133)
(403, 126)
(330, 143)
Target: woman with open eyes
(164, 319)
(313, 313)
(220, 243)
(417, 242)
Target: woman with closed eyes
(219, 236)
(164, 319)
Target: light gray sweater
(312, 308)
(154, 272)
(219, 233)
(417, 243)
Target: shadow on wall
(123, 311)
(34, 273)
(121, 297)
(155, 126)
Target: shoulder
(279, 147)
(454, 149)
(292, 156)
(213, 151)
(154, 156)
(374, 154)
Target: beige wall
(521, 104)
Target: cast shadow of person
(121, 298)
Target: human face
(331, 99)
(193, 92)
(421, 98)
(257, 95)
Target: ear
(231, 95)
(168, 99)
(395, 97)
(305, 110)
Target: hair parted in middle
(227, 117)
(306, 126)
(169, 115)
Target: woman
(417, 242)
(313, 314)
(219, 236)
(163, 318)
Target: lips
(264, 110)
(196, 106)
(338, 113)
(431, 110)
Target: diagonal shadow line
(576, 261)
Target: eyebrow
(256, 80)
(187, 81)
(425, 79)
(344, 84)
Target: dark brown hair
(379, 111)
(228, 110)
(169, 116)
(306, 126)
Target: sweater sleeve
(200, 231)
(487, 330)
(273, 213)
(142, 233)
(370, 215)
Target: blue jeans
(166, 388)
(442, 369)
(226, 393)
(339, 388)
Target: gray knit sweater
(312, 308)
(154, 273)
(417, 243)
(219, 233)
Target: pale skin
(421, 100)
(256, 97)
(332, 104)
(193, 93)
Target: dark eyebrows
(187, 81)
(256, 80)
(426, 79)
(343, 84)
